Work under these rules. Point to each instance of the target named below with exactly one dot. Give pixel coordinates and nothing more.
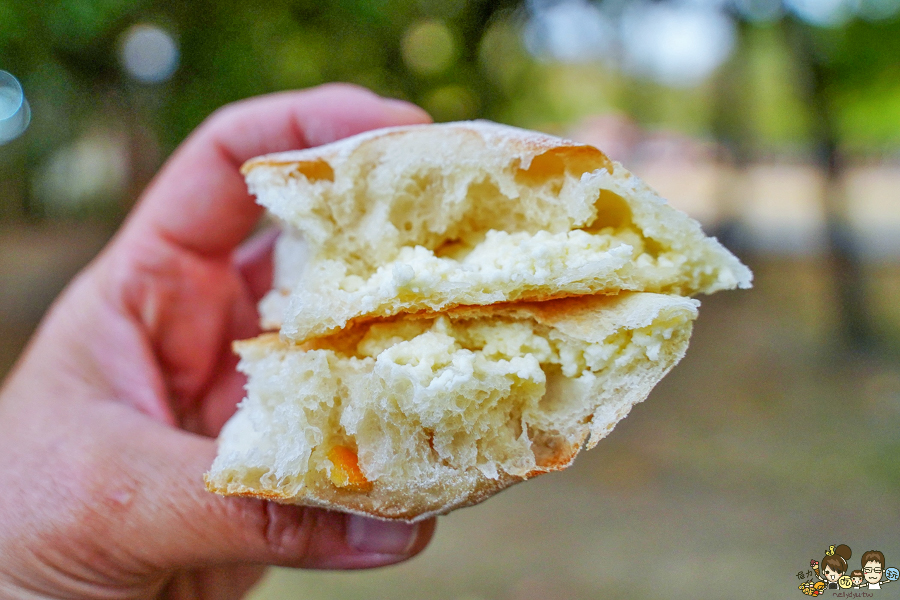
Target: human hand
(106, 420)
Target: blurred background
(776, 123)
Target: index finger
(199, 200)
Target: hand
(106, 420)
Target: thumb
(189, 526)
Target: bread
(459, 308)
(435, 216)
(415, 415)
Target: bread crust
(605, 230)
(456, 223)
(607, 400)
(390, 505)
(514, 141)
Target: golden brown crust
(529, 144)
(376, 501)
(547, 309)
(520, 309)
(574, 311)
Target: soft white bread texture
(413, 416)
(424, 218)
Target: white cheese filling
(502, 267)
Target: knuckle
(221, 115)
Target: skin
(830, 575)
(106, 421)
(873, 577)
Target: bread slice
(413, 416)
(434, 216)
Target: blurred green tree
(67, 54)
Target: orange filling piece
(345, 471)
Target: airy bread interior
(430, 217)
(415, 415)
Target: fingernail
(380, 537)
